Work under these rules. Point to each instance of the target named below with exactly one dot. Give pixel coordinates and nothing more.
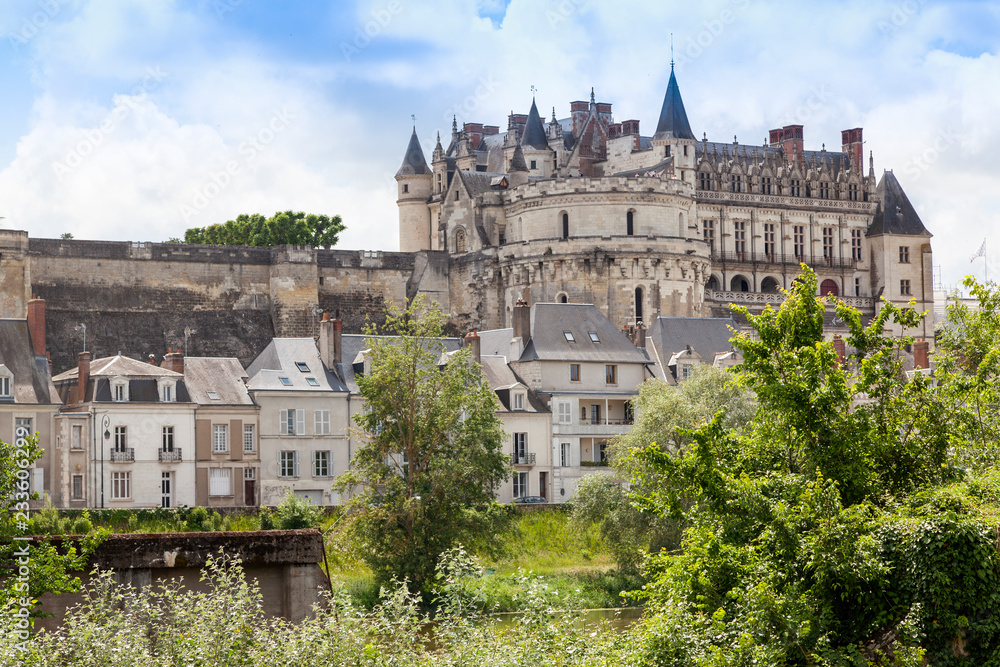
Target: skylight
(569, 336)
(286, 382)
(213, 395)
(302, 366)
(312, 382)
(593, 336)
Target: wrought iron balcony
(522, 460)
(126, 455)
(777, 259)
(172, 456)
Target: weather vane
(533, 91)
(671, 50)
(413, 117)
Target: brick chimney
(921, 354)
(640, 336)
(83, 376)
(36, 325)
(853, 144)
(173, 361)
(472, 341)
(331, 334)
(841, 349)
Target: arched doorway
(829, 288)
(769, 286)
(739, 284)
(712, 284)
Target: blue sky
(136, 119)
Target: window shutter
(295, 460)
(281, 471)
(318, 422)
(283, 422)
(300, 421)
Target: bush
(295, 512)
(200, 519)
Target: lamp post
(106, 428)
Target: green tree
(66, 235)
(283, 228)
(433, 453)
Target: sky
(137, 119)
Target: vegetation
(282, 228)
(432, 456)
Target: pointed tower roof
(517, 162)
(534, 131)
(413, 162)
(895, 214)
(673, 119)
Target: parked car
(530, 499)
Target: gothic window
(852, 192)
(856, 245)
(828, 244)
(799, 241)
(765, 185)
(795, 187)
(824, 190)
(736, 183)
(704, 180)
(740, 238)
(769, 244)
(708, 233)
(459, 240)
(630, 223)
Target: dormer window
(168, 391)
(519, 401)
(119, 390)
(6, 384)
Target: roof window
(569, 336)
(213, 395)
(302, 366)
(312, 382)
(593, 336)
(286, 382)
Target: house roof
(31, 382)
(277, 368)
(119, 366)
(895, 214)
(351, 345)
(671, 335)
(414, 162)
(534, 131)
(673, 120)
(221, 376)
(501, 378)
(548, 341)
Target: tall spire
(534, 131)
(413, 162)
(673, 121)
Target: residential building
(679, 344)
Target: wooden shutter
(300, 421)
(283, 422)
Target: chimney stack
(472, 341)
(83, 376)
(330, 340)
(173, 361)
(522, 321)
(36, 325)
(921, 354)
(640, 336)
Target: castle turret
(414, 180)
(673, 132)
(517, 169)
(535, 145)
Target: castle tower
(535, 145)
(673, 132)
(414, 181)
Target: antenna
(187, 333)
(81, 327)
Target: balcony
(522, 460)
(126, 455)
(764, 259)
(173, 456)
(595, 464)
(862, 303)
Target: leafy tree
(433, 453)
(66, 235)
(283, 228)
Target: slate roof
(278, 360)
(895, 214)
(119, 366)
(223, 376)
(501, 379)
(32, 382)
(548, 341)
(351, 345)
(517, 162)
(534, 131)
(745, 152)
(706, 335)
(658, 167)
(413, 162)
(479, 182)
(673, 120)
(495, 342)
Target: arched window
(565, 225)
(712, 284)
(459, 240)
(739, 284)
(630, 223)
(638, 304)
(680, 224)
(829, 287)
(769, 286)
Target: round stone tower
(414, 182)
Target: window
(248, 439)
(602, 451)
(904, 254)
(565, 411)
(593, 336)
(213, 396)
(459, 240)
(121, 392)
(799, 241)
(856, 245)
(852, 192)
(611, 374)
(77, 493)
(735, 183)
(595, 414)
(121, 485)
(519, 401)
(302, 366)
(795, 187)
(629, 223)
(312, 382)
(76, 439)
(23, 425)
(708, 233)
(904, 287)
(292, 422)
(521, 447)
(770, 248)
(857, 287)
(406, 187)
(534, 164)
(565, 225)
(520, 484)
(220, 437)
(121, 438)
(824, 190)
(686, 371)
(574, 372)
(288, 464)
(167, 440)
(704, 180)
(740, 237)
(167, 393)
(569, 336)
(249, 473)
(765, 185)
(285, 381)
(828, 243)
(220, 481)
(321, 422)
(321, 464)
(5, 386)
(564, 459)
(456, 195)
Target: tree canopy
(282, 228)
(433, 452)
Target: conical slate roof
(534, 131)
(673, 119)
(517, 162)
(895, 214)
(413, 162)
